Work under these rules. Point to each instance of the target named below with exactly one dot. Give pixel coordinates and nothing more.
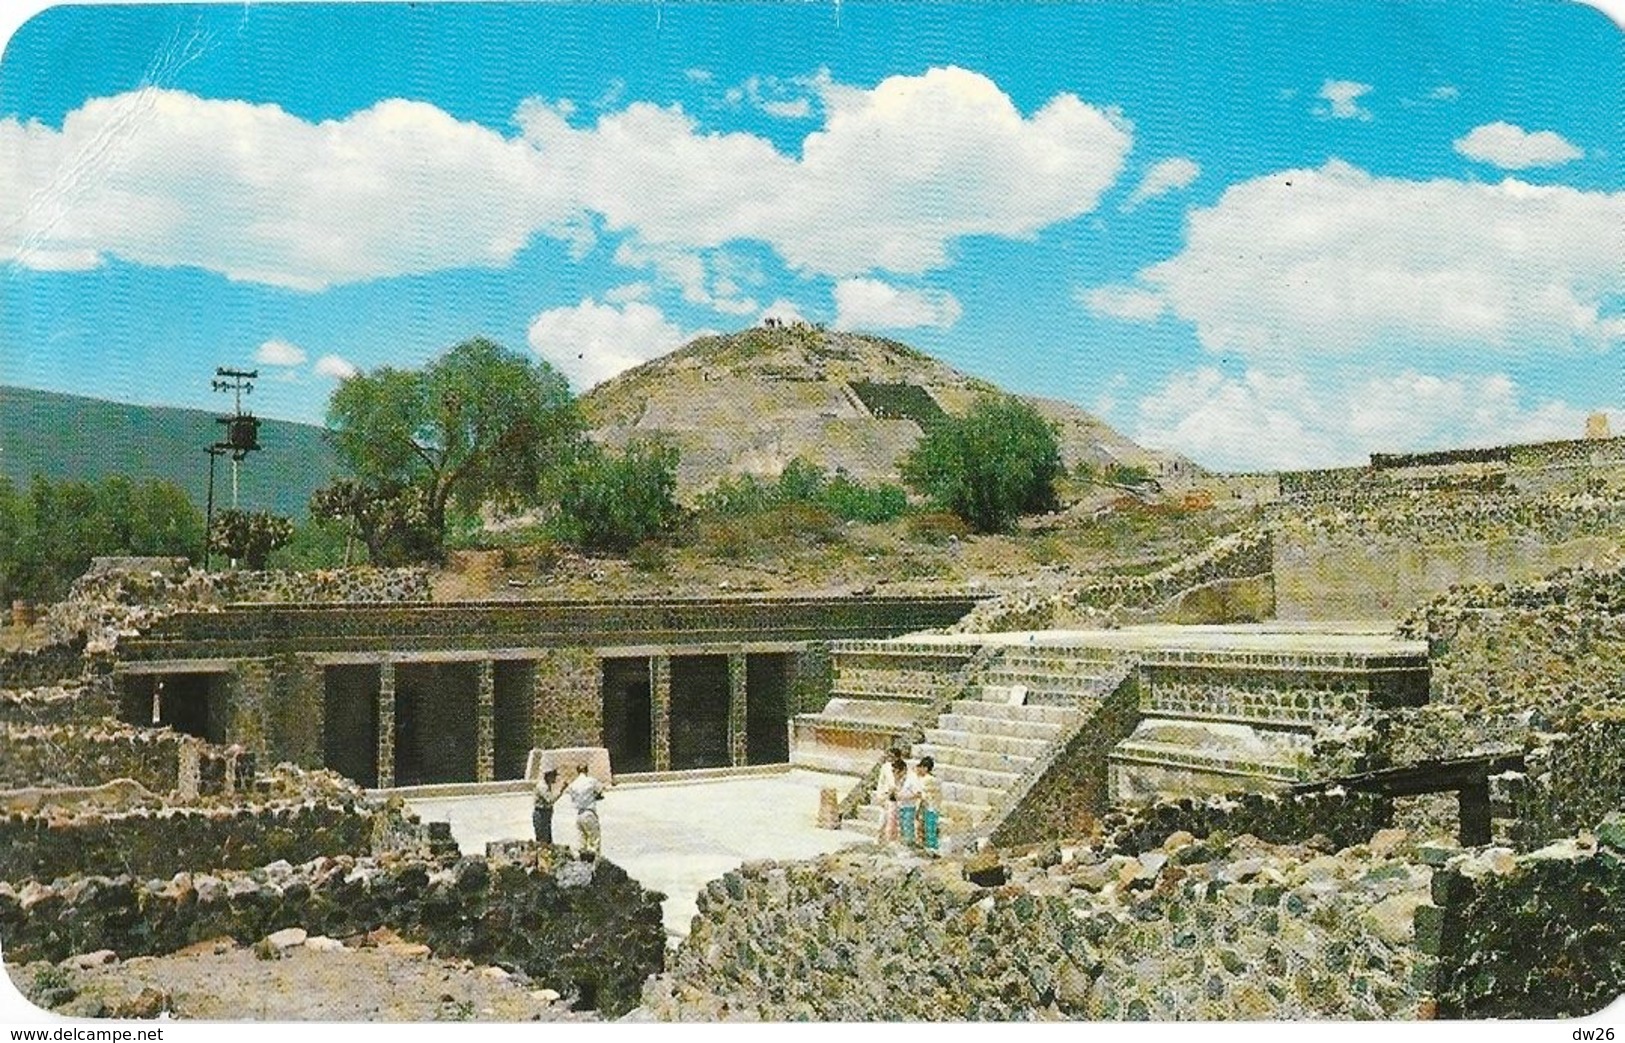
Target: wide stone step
(960, 722)
(961, 817)
(1005, 712)
(965, 793)
(986, 760)
(948, 771)
(986, 742)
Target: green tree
(49, 533)
(615, 503)
(481, 424)
(994, 464)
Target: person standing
(930, 803)
(891, 777)
(585, 793)
(541, 813)
(908, 806)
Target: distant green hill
(67, 436)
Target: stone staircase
(983, 746)
(880, 692)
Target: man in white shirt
(585, 793)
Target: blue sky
(1265, 235)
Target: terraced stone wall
(1228, 581)
(588, 929)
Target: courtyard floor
(672, 837)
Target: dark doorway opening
(350, 722)
(628, 710)
(193, 703)
(699, 712)
(435, 722)
(513, 692)
(767, 709)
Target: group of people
(913, 802)
(584, 792)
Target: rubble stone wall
(55, 664)
(159, 842)
(57, 704)
(589, 929)
(89, 755)
(360, 584)
(1238, 930)
(1343, 818)
(1574, 779)
(1541, 936)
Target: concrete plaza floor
(671, 837)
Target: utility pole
(242, 438)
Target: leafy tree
(249, 536)
(615, 503)
(992, 465)
(49, 533)
(481, 424)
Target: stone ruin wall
(1542, 935)
(1215, 930)
(1380, 562)
(148, 842)
(591, 929)
(1254, 908)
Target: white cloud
(591, 342)
(279, 353)
(1335, 260)
(889, 179)
(1163, 177)
(784, 311)
(1269, 421)
(1343, 98)
(162, 178)
(1444, 92)
(894, 174)
(1513, 148)
(335, 367)
(1122, 302)
(872, 304)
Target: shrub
(991, 466)
(615, 503)
(249, 536)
